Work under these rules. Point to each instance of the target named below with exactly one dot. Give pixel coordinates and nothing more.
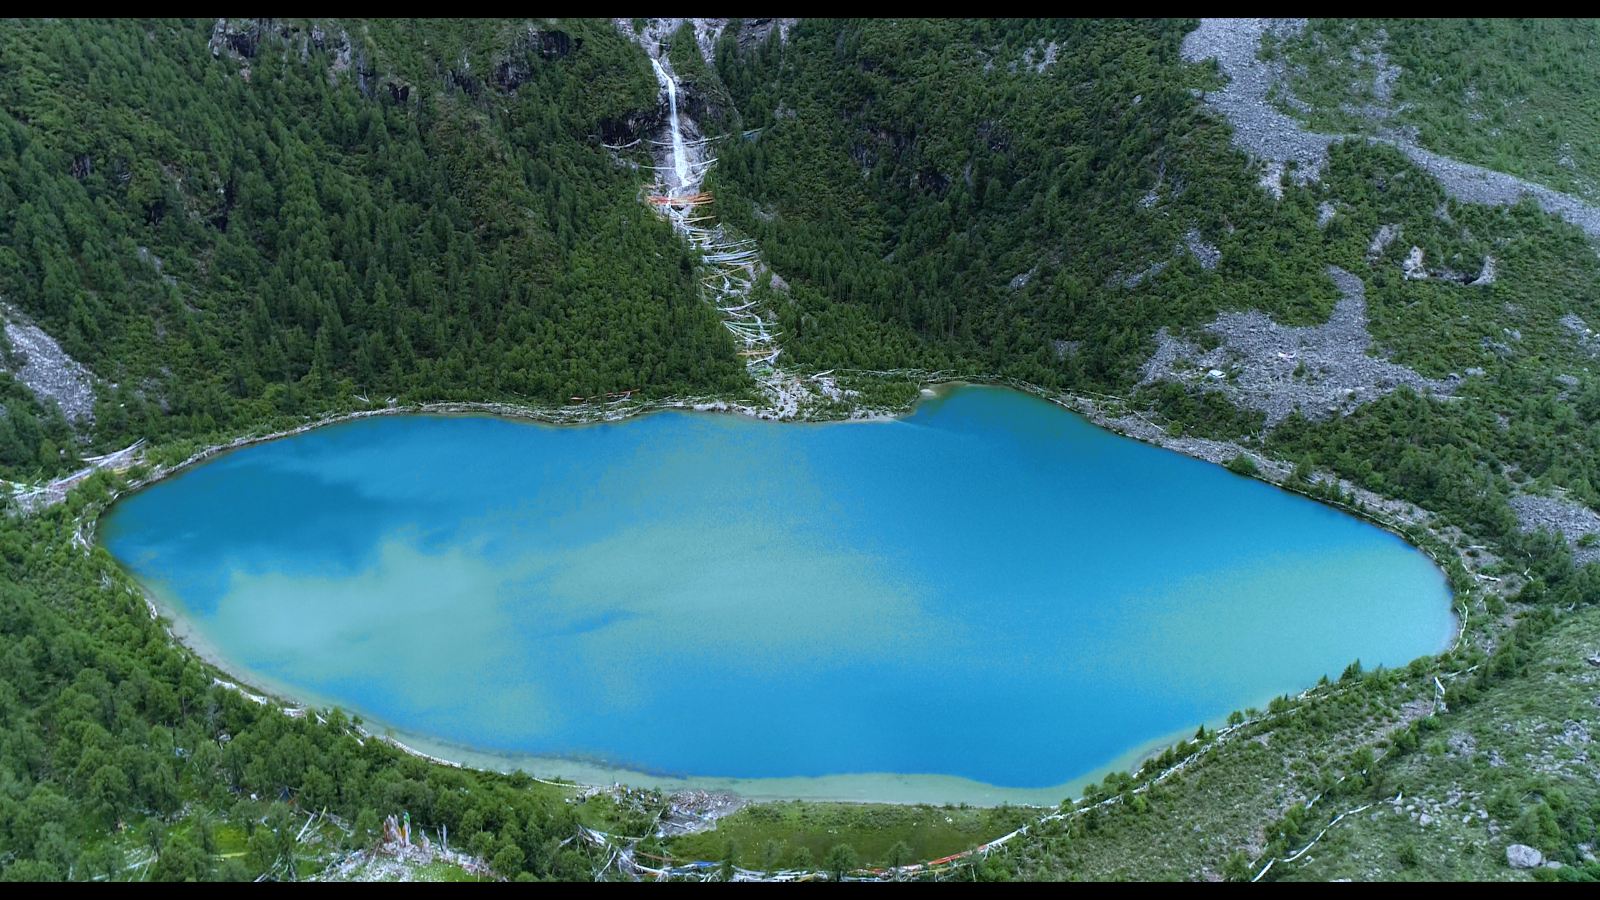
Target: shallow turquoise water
(991, 588)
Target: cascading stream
(735, 263)
(680, 151)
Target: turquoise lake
(988, 592)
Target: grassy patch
(790, 833)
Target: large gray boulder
(1521, 856)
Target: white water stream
(735, 262)
(680, 151)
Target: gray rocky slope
(1277, 139)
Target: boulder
(1521, 856)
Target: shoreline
(866, 788)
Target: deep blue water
(991, 588)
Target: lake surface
(988, 592)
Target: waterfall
(680, 152)
(734, 263)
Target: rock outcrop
(515, 68)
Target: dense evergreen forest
(246, 223)
(226, 239)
